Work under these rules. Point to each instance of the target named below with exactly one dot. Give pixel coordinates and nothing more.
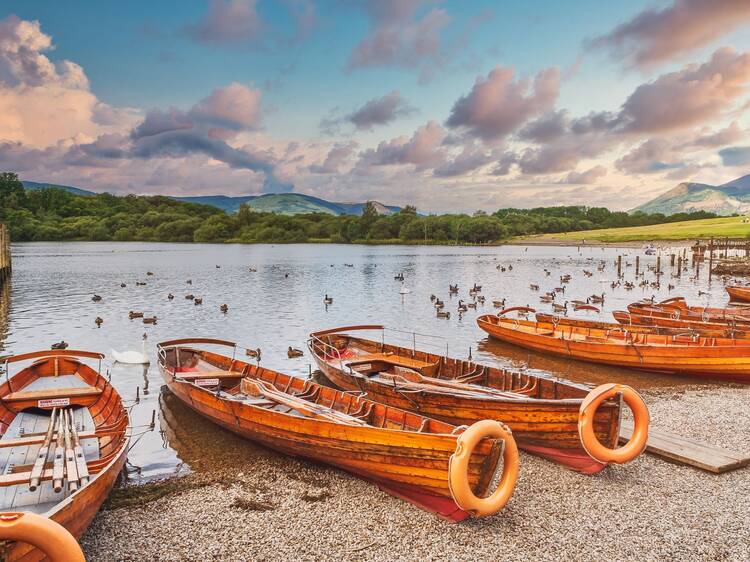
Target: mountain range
(282, 203)
(727, 199)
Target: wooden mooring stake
(687, 451)
(5, 263)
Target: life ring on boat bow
(458, 481)
(43, 533)
(587, 411)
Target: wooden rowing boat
(406, 454)
(738, 293)
(543, 412)
(703, 357)
(63, 441)
(677, 308)
(668, 325)
(639, 324)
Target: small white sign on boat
(53, 403)
(207, 382)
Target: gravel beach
(270, 507)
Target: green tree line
(55, 214)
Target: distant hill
(726, 199)
(39, 185)
(282, 203)
(286, 204)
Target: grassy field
(733, 227)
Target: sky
(447, 105)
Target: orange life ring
(458, 465)
(591, 444)
(43, 533)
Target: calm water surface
(49, 299)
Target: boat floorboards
(44, 497)
(688, 451)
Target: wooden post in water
(619, 266)
(5, 265)
(671, 260)
(710, 258)
(679, 266)
(637, 264)
(658, 266)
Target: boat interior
(61, 423)
(263, 388)
(387, 361)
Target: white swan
(132, 357)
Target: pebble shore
(271, 507)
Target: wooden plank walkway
(688, 451)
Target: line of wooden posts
(5, 262)
(679, 258)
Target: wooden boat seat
(196, 375)
(52, 393)
(395, 360)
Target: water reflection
(281, 301)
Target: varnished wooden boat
(703, 357)
(738, 293)
(63, 441)
(677, 308)
(406, 454)
(635, 323)
(543, 412)
(668, 325)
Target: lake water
(49, 299)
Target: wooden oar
(58, 466)
(414, 377)
(70, 458)
(41, 458)
(259, 388)
(83, 469)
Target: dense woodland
(54, 214)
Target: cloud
(688, 96)
(380, 111)
(735, 156)
(42, 101)
(498, 104)
(546, 128)
(654, 36)
(723, 137)
(648, 157)
(399, 36)
(588, 177)
(229, 109)
(229, 22)
(468, 160)
(338, 156)
(421, 150)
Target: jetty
(5, 261)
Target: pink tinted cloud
(499, 104)
(654, 36)
(380, 111)
(421, 150)
(690, 96)
(399, 36)
(229, 22)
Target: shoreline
(683, 243)
(278, 507)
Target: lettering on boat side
(53, 402)
(207, 382)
